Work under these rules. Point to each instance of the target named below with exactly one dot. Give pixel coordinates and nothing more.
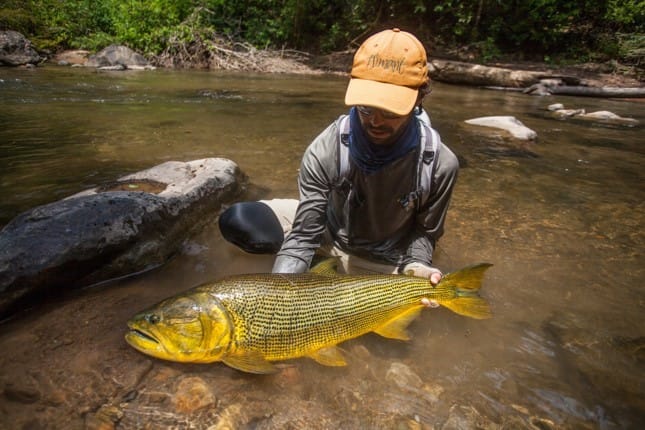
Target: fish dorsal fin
(326, 267)
(395, 328)
(329, 356)
(250, 361)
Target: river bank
(222, 54)
(245, 58)
(588, 79)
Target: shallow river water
(561, 219)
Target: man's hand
(423, 271)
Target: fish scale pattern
(294, 315)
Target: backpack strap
(343, 147)
(427, 161)
(428, 144)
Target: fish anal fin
(251, 362)
(473, 307)
(395, 328)
(329, 356)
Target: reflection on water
(561, 220)
(66, 130)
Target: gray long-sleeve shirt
(362, 213)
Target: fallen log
(456, 72)
(529, 82)
(550, 87)
(598, 91)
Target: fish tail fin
(468, 279)
(467, 283)
(473, 307)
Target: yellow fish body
(249, 321)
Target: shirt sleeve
(318, 170)
(432, 216)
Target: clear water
(561, 220)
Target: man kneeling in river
(374, 186)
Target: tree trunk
(530, 82)
(598, 92)
(456, 72)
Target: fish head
(192, 328)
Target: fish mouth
(138, 335)
(143, 335)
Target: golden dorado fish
(249, 321)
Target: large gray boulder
(16, 49)
(134, 224)
(117, 56)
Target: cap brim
(394, 98)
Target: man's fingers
(435, 277)
(429, 303)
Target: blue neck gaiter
(371, 158)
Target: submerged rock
(192, 394)
(555, 106)
(403, 376)
(609, 117)
(507, 123)
(567, 113)
(600, 117)
(120, 229)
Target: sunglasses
(369, 111)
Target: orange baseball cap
(389, 67)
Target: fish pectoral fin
(474, 307)
(251, 362)
(329, 356)
(395, 327)
(328, 267)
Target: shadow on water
(561, 220)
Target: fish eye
(153, 318)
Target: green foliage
(259, 22)
(627, 15)
(64, 23)
(94, 42)
(488, 50)
(494, 27)
(457, 15)
(15, 15)
(16, 19)
(631, 48)
(145, 24)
